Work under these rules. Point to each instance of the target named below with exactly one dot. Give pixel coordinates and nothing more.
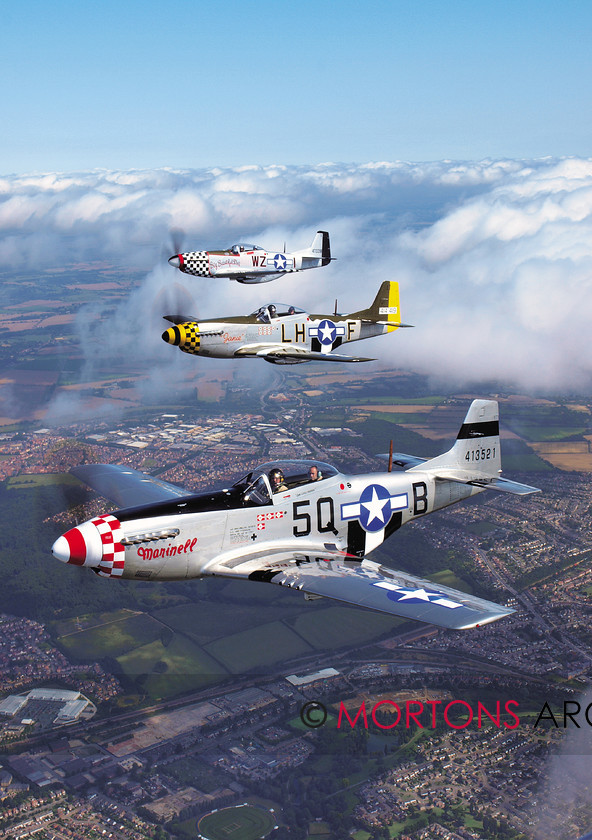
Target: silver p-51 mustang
(284, 335)
(299, 524)
(251, 263)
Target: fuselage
(249, 263)
(189, 537)
(226, 338)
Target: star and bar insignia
(375, 507)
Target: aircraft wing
(337, 575)
(180, 319)
(402, 460)
(277, 352)
(126, 487)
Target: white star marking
(327, 333)
(418, 593)
(375, 507)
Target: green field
(518, 456)
(241, 823)
(546, 422)
(257, 647)
(447, 578)
(401, 419)
(207, 621)
(112, 638)
(370, 400)
(319, 829)
(67, 626)
(480, 528)
(182, 658)
(166, 671)
(539, 433)
(28, 480)
(336, 627)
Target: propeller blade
(175, 245)
(174, 299)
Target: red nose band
(96, 543)
(73, 546)
(77, 546)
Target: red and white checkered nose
(96, 543)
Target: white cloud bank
(494, 258)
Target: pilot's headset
(276, 473)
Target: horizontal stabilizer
(402, 460)
(502, 484)
(514, 487)
(384, 323)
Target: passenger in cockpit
(314, 473)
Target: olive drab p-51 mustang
(299, 524)
(251, 263)
(285, 335)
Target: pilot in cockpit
(263, 315)
(277, 481)
(267, 314)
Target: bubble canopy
(266, 480)
(240, 247)
(267, 313)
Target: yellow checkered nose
(184, 336)
(172, 336)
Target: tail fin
(325, 247)
(475, 457)
(385, 310)
(320, 248)
(477, 446)
(319, 252)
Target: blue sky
(142, 85)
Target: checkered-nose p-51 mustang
(284, 335)
(251, 263)
(299, 524)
